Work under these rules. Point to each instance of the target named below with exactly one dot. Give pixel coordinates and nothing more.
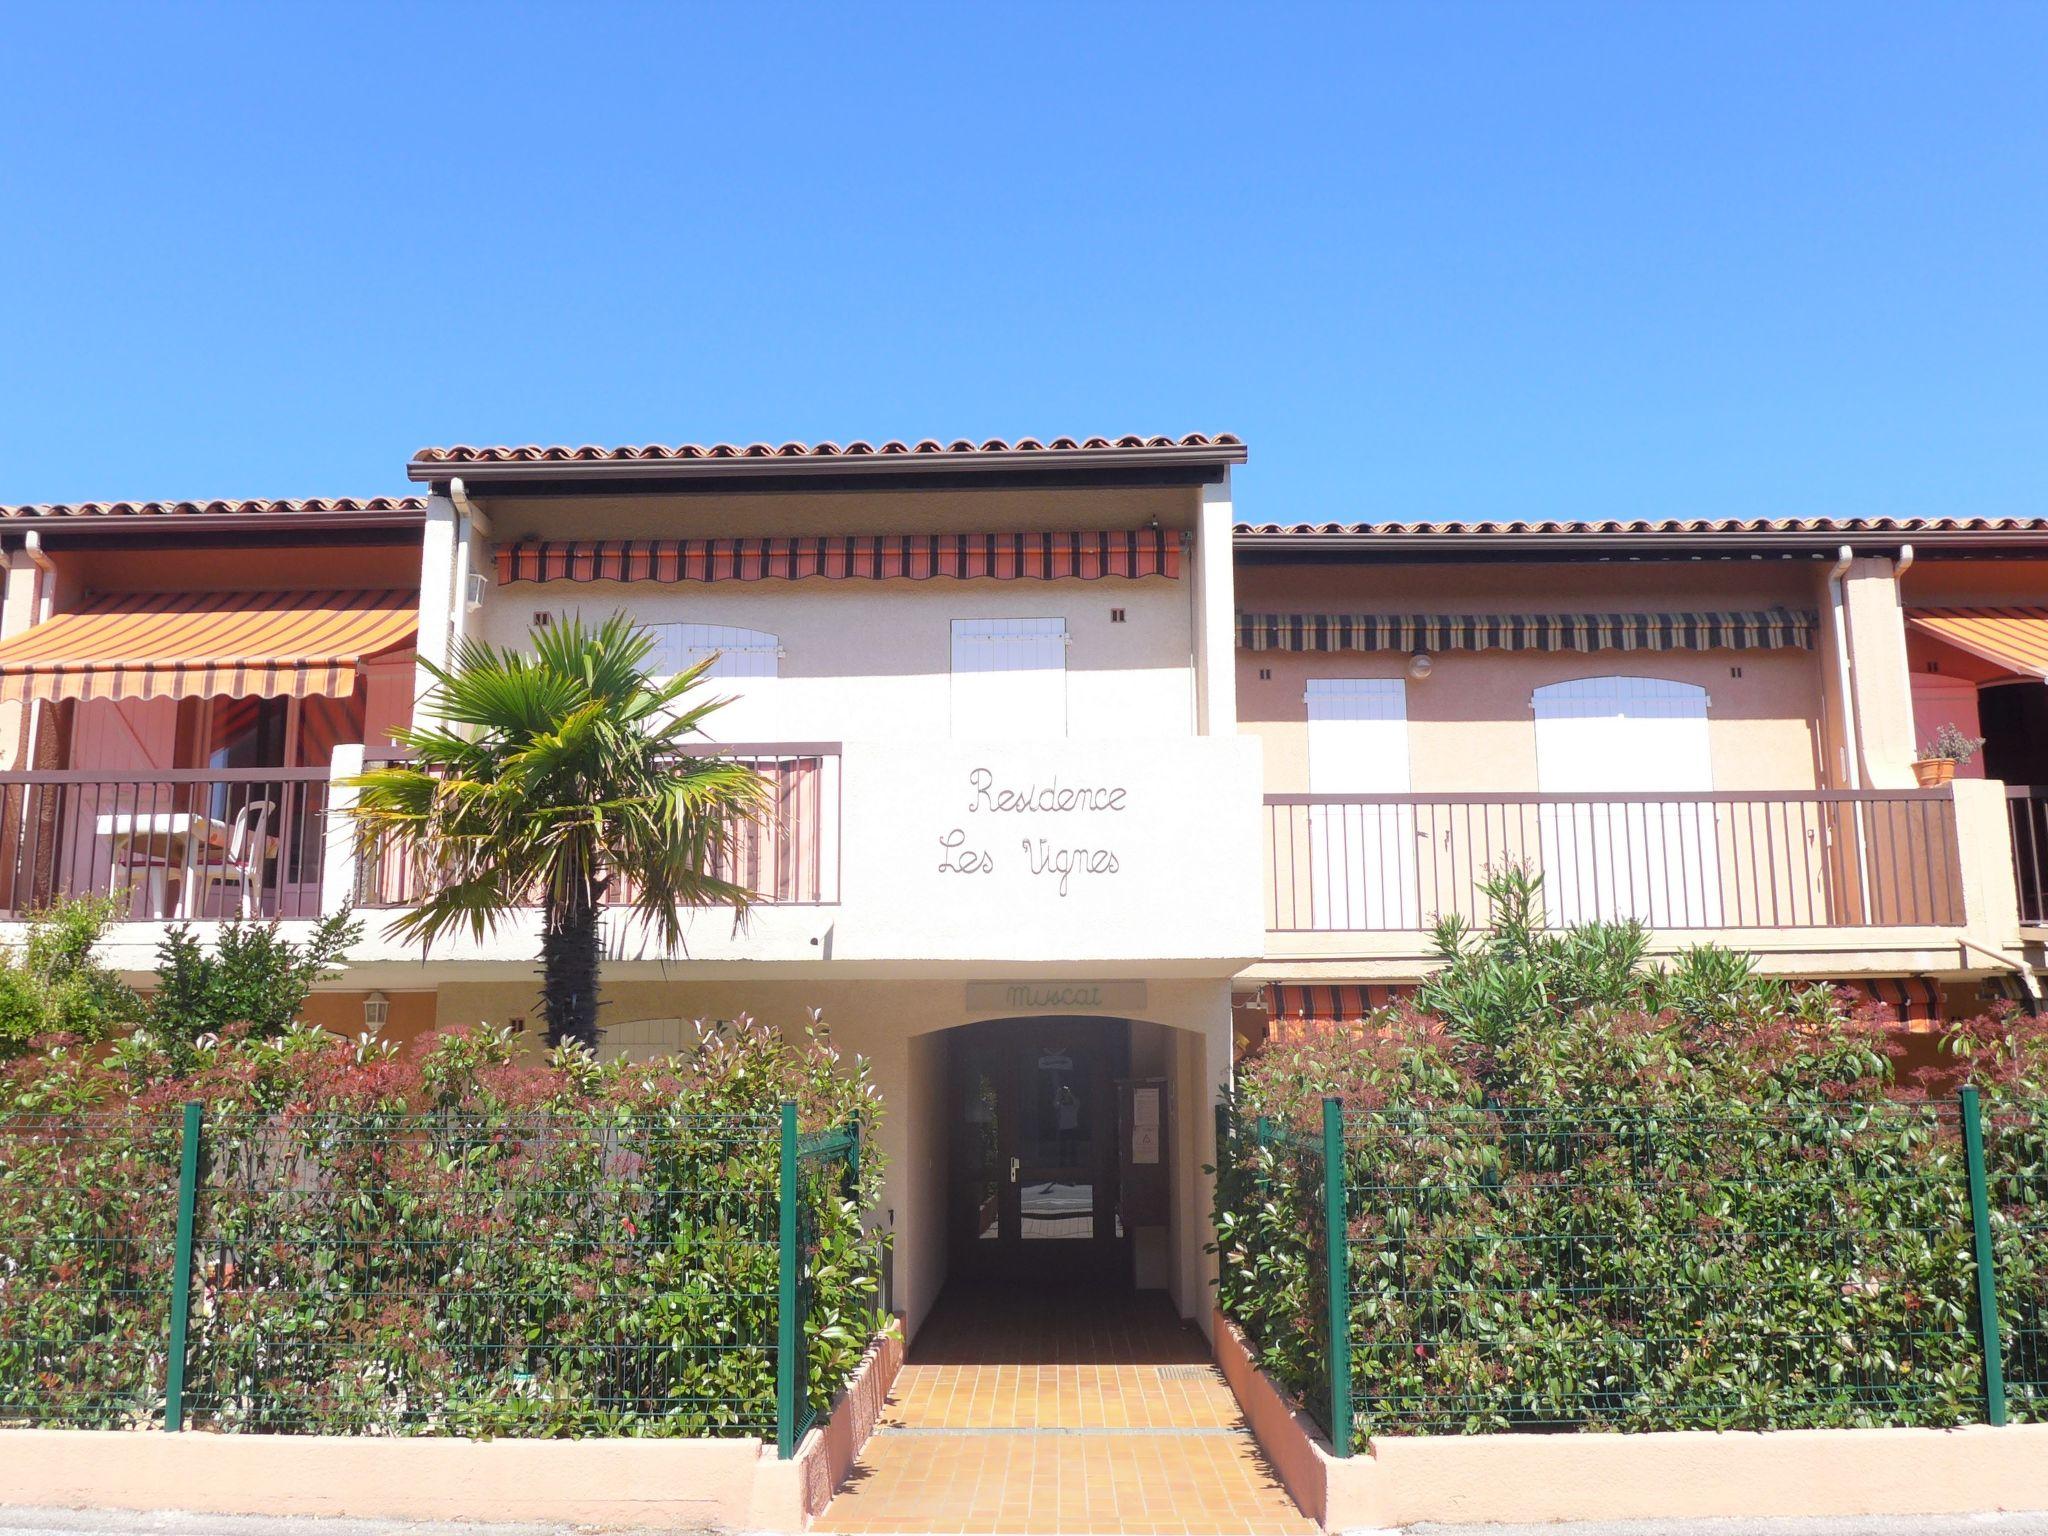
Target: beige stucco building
(1084, 783)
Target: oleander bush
(439, 1241)
(53, 984)
(1692, 1199)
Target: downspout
(1852, 729)
(472, 519)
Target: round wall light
(1420, 665)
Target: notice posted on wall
(1144, 1125)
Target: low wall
(1687, 1474)
(1295, 1447)
(615, 1483)
(672, 1484)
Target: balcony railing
(168, 845)
(1771, 859)
(790, 857)
(2026, 810)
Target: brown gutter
(1367, 545)
(1210, 458)
(60, 530)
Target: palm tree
(556, 776)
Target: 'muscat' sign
(1055, 996)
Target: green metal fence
(380, 1274)
(2016, 1165)
(1451, 1271)
(86, 1262)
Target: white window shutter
(1009, 678)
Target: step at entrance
(1033, 1412)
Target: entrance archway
(1037, 1133)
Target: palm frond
(543, 775)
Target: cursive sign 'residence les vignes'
(1055, 797)
(1050, 857)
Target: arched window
(1655, 859)
(732, 651)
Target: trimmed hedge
(1613, 1219)
(440, 1242)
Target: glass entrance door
(1034, 1146)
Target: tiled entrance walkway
(1036, 1410)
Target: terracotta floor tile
(1040, 1412)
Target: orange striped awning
(2012, 637)
(1128, 553)
(1294, 1009)
(1912, 999)
(158, 645)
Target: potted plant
(1937, 761)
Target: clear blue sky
(1447, 260)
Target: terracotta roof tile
(314, 505)
(1652, 526)
(534, 453)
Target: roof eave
(1074, 461)
(1370, 545)
(61, 525)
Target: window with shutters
(744, 666)
(1009, 678)
(1361, 850)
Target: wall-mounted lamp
(479, 584)
(1420, 665)
(376, 1012)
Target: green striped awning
(1774, 629)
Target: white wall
(863, 659)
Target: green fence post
(181, 1274)
(1337, 1226)
(1987, 1267)
(789, 1370)
(1225, 1190)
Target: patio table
(157, 840)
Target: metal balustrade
(170, 845)
(1738, 860)
(789, 857)
(2026, 809)
(198, 844)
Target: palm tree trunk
(568, 957)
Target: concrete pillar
(1215, 613)
(1991, 897)
(17, 613)
(1868, 724)
(338, 857)
(1882, 684)
(18, 609)
(29, 590)
(437, 590)
(1203, 1063)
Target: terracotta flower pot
(1934, 771)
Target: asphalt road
(94, 1522)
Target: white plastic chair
(242, 861)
